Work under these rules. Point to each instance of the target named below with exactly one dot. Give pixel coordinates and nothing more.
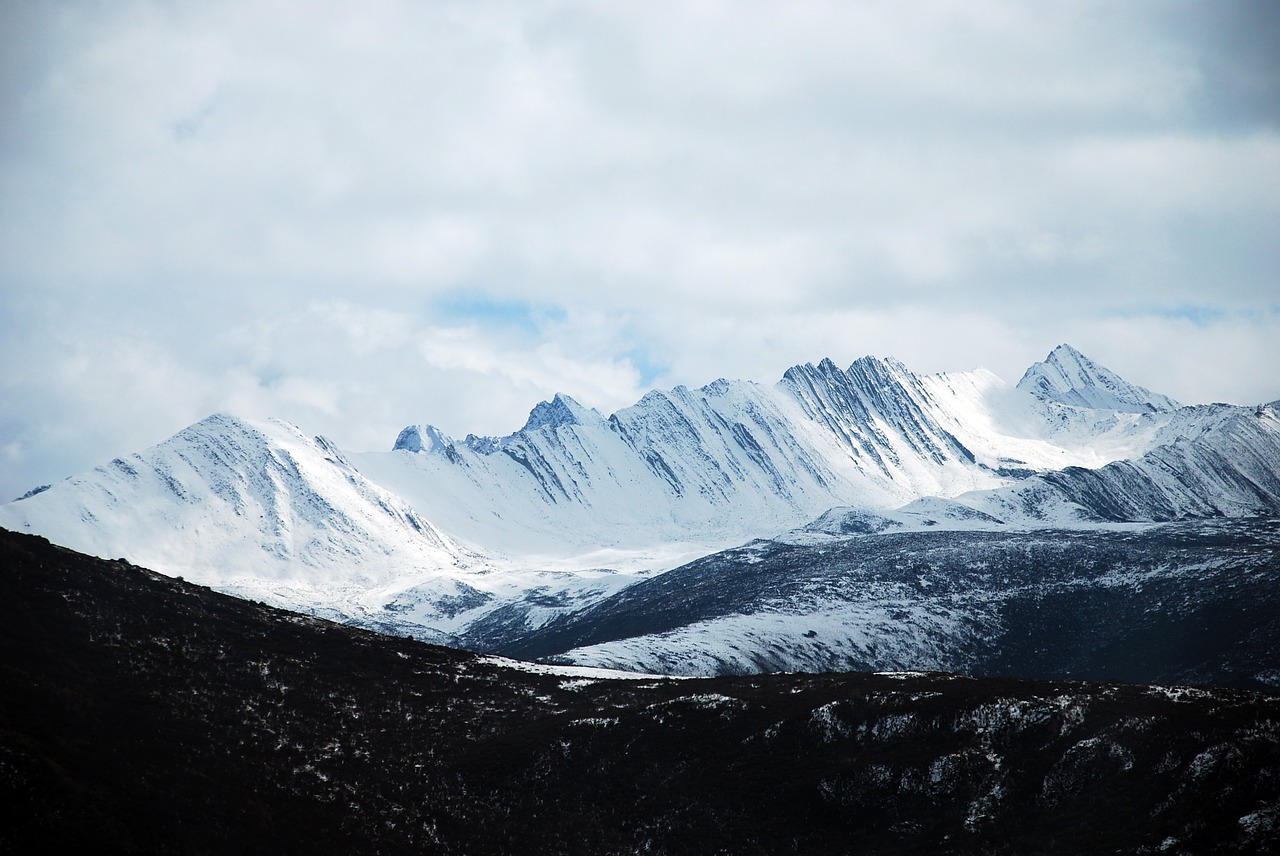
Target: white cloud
(277, 210)
(573, 361)
(1230, 358)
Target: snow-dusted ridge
(440, 537)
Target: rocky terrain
(145, 714)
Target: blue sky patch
(649, 367)
(474, 308)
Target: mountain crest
(422, 438)
(560, 410)
(1069, 377)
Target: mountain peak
(217, 423)
(422, 438)
(1069, 377)
(880, 366)
(560, 410)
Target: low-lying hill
(141, 714)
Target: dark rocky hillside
(140, 714)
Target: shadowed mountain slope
(1190, 602)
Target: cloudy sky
(357, 216)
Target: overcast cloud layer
(360, 216)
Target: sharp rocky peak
(560, 410)
(880, 369)
(1069, 377)
(867, 366)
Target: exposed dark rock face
(140, 714)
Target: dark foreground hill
(140, 714)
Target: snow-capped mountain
(442, 537)
(1069, 377)
(243, 506)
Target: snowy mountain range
(487, 539)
